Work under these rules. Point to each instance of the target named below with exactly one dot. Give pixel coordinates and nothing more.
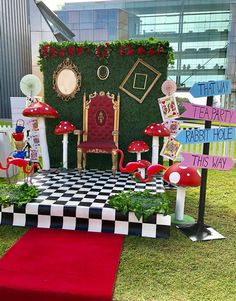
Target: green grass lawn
(178, 269)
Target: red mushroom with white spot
(156, 130)
(139, 147)
(41, 110)
(64, 128)
(182, 177)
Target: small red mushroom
(41, 110)
(138, 147)
(182, 177)
(64, 128)
(156, 130)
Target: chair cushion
(101, 146)
(100, 118)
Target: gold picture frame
(66, 80)
(103, 72)
(140, 61)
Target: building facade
(15, 50)
(23, 26)
(201, 32)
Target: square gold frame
(140, 100)
(145, 81)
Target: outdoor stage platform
(69, 200)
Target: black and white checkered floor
(69, 200)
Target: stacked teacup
(19, 142)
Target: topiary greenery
(119, 57)
(142, 203)
(17, 194)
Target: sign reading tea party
(209, 113)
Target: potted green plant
(18, 195)
(142, 203)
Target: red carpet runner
(60, 265)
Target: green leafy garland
(102, 51)
(142, 203)
(17, 194)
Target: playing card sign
(170, 148)
(168, 107)
(172, 126)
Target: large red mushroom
(64, 128)
(182, 177)
(156, 130)
(41, 110)
(139, 147)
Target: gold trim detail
(66, 65)
(103, 72)
(140, 61)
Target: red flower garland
(151, 52)
(101, 51)
(160, 50)
(130, 50)
(53, 52)
(98, 52)
(122, 50)
(71, 50)
(44, 50)
(62, 52)
(79, 50)
(141, 50)
(106, 51)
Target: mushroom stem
(43, 143)
(138, 156)
(155, 149)
(141, 170)
(65, 150)
(180, 200)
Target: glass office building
(198, 30)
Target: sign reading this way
(209, 113)
(206, 161)
(211, 88)
(194, 136)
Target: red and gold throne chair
(100, 128)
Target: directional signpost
(211, 88)
(208, 113)
(196, 136)
(208, 162)
(199, 231)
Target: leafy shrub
(17, 194)
(142, 203)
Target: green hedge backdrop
(119, 56)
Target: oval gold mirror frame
(103, 72)
(66, 80)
